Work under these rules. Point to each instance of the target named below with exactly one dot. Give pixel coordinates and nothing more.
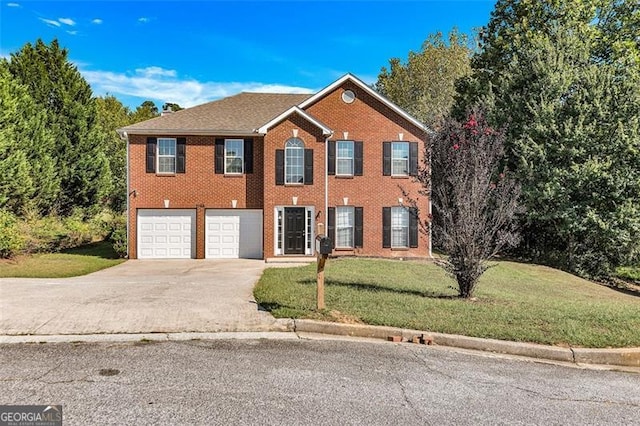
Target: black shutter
(359, 220)
(413, 158)
(386, 158)
(308, 167)
(279, 166)
(331, 224)
(357, 158)
(219, 156)
(331, 158)
(248, 155)
(413, 227)
(181, 151)
(386, 227)
(151, 155)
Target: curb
(625, 357)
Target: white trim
(241, 157)
(294, 109)
(309, 246)
(174, 156)
(370, 91)
(186, 132)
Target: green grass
(514, 301)
(68, 263)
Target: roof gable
(350, 77)
(295, 110)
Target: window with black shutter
(151, 155)
(248, 155)
(386, 227)
(308, 167)
(181, 155)
(359, 225)
(219, 166)
(357, 158)
(331, 158)
(279, 167)
(413, 227)
(413, 158)
(386, 158)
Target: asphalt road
(307, 382)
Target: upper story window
(166, 155)
(344, 158)
(233, 156)
(294, 161)
(400, 159)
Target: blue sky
(190, 52)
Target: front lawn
(519, 302)
(68, 263)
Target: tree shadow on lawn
(101, 249)
(381, 289)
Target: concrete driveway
(164, 296)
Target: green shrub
(11, 242)
(118, 235)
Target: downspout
(326, 183)
(125, 137)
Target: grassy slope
(515, 301)
(69, 263)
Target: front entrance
(294, 230)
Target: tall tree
(170, 105)
(28, 178)
(425, 84)
(111, 115)
(573, 111)
(145, 111)
(57, 85)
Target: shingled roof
(240, 114)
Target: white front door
(166, 234)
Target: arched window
(294, 161)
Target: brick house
(252, 175)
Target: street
(307, 382)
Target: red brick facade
(367, 119)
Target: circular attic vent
(348, 96)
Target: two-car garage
(171, 234)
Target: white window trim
(393, 158)
(352, 227)
(345, 158)
(301, 148)
(174, 156)
(309, 246)
(241, 157)
(397, 227)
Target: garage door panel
(233, 234)
(166, 234)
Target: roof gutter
(187, 132)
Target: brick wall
(198, 188)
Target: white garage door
(233, 234)
(166, 234)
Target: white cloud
(97, 21)
(144, 19)
(50, 22)
(67, 21)
(13, 4)
(165, 86)
(155, 72)
(74, 32)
